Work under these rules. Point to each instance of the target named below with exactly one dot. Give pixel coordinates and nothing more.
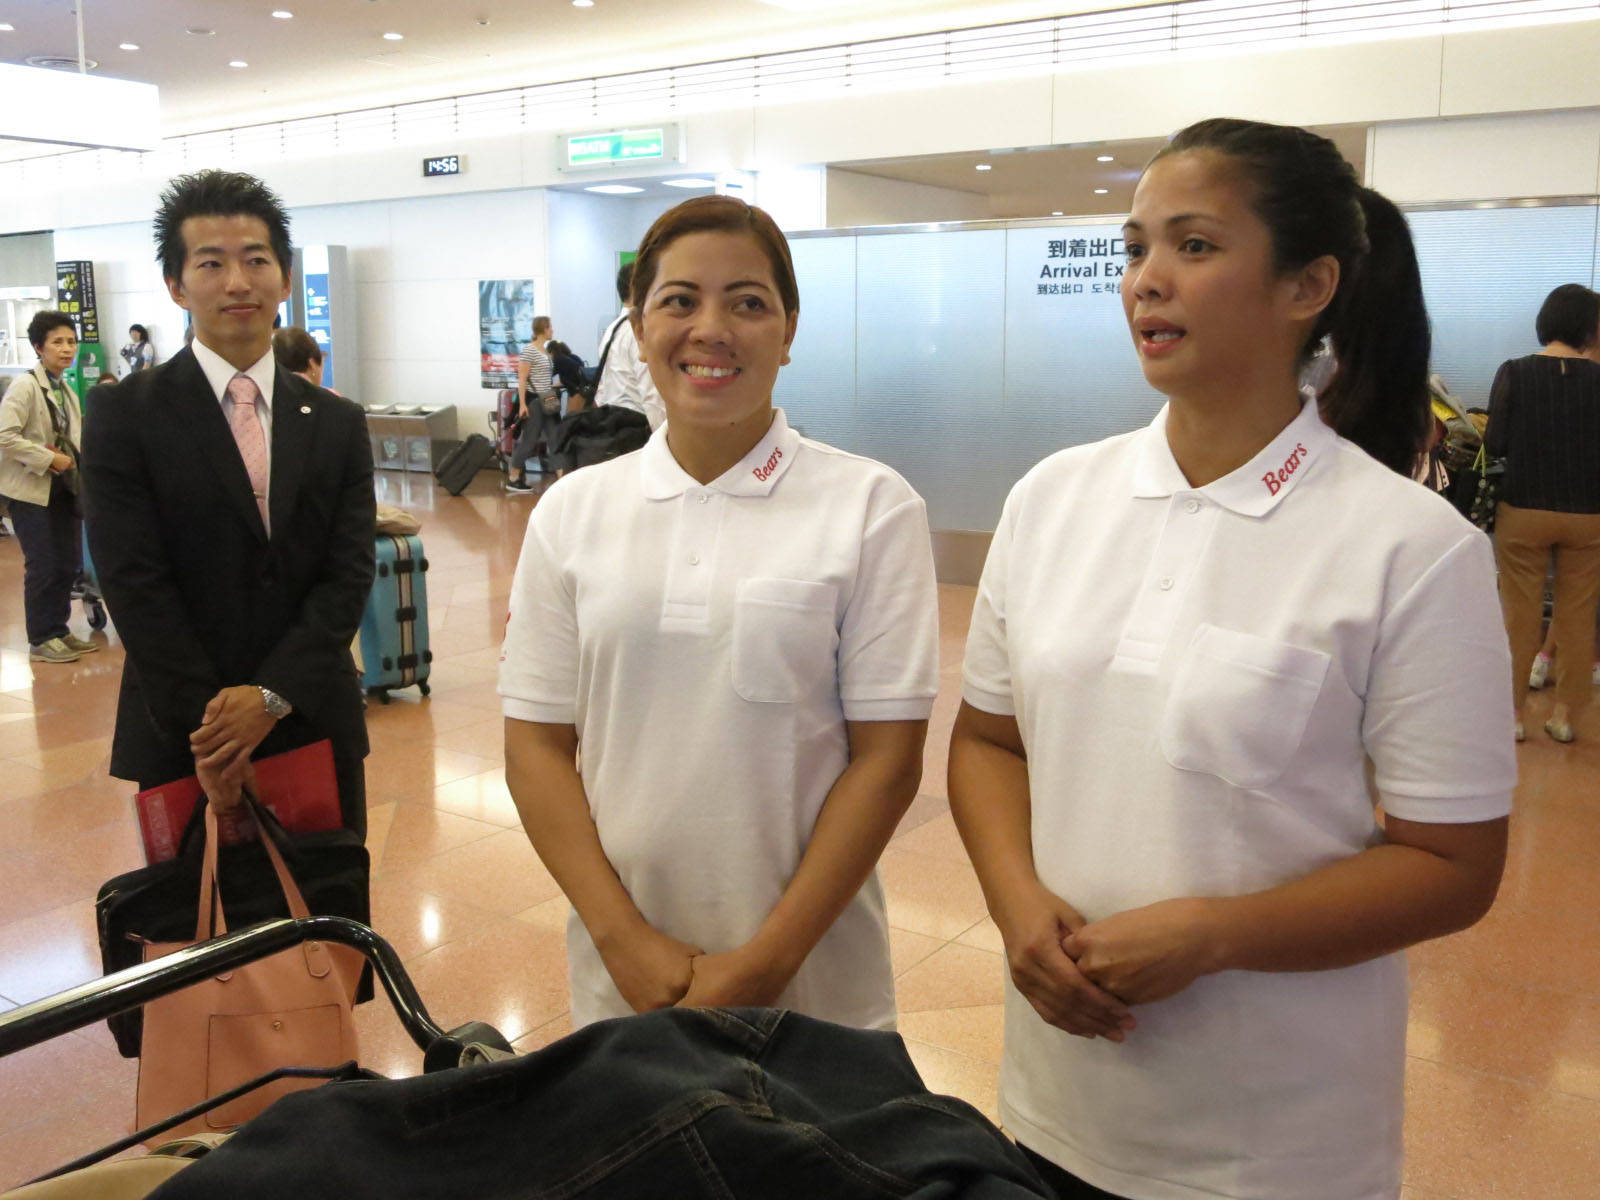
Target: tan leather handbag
(289, 1010)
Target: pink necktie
(252, 439)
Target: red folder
(298, 787)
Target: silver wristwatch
(277, 707)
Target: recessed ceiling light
(983, 167)
(614, 189)
(1058, 213)
(128, 46)
(394, 37)
(1104, 158)
(6, 27)
(283, 14)
(582, 3)
(689, 183)
(200, 31)
(1100, 191)
(238, 64)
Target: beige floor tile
(508, 974)
(977, 1032)
(482, 797)
(499, 873)
(486, 739)
(414, 921)
(413, 770)
(49, 952)
(936, 838)
(417, 831)
(952, 1074)
(929, 895)
(1480, 1023)
(954, 976)
(549, 915)
(906, 949)
(1474, 1135)
(985, 935)
(550, 1031)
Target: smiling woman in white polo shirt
(1191, 645)
(739, 629)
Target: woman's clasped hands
(1082, 977)
(655, 970)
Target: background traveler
(739, 626)
(230, 518)
(40, 430)
(1544, 420)
(538, 404)
(624, 379)
(138, 353)
(1166, 796)
(297, 352)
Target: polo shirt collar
(756, 474)
(1252, 490)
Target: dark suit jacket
(202, 599)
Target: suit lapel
(294, 417)
(200, 419)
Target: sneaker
(81, 645)
(55, 651)
(1559, 731)
(1540, 674)
(519, 485)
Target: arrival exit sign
(616, 149)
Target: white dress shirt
(220, 372)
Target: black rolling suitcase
(463, 463)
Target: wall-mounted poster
(506, 309)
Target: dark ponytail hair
(1312, 204)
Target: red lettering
(764, 473)
(1276, 479)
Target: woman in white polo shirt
(1189, 644)
(738, 629)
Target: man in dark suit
(230, 517)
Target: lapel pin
(305, 408)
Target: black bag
(597, 434)
(157, 903)
(462, 464)
(1475, 490)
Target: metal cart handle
(101, 998)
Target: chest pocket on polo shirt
(1239, 706)
(784, 641)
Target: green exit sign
(612, 149)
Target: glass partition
(961, 356)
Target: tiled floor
(1505, 1032)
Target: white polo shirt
(1199, 675)
(709, 643)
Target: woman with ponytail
(1170, 795)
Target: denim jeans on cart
(737, 1104)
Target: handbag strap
(210, 916)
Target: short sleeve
(539, 658)
(1438, 717)
(986, 670)
(889, 637)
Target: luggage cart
(92, 1002)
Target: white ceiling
(1034, 182)
(332, 56)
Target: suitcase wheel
(424, 688)
(381, 693)
(97, 614)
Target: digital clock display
(445, 164)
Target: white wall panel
(1305, 85)
(958, 117)
(1484, 158)
(1507, 70)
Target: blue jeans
(51, 536)
(736, 1104)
